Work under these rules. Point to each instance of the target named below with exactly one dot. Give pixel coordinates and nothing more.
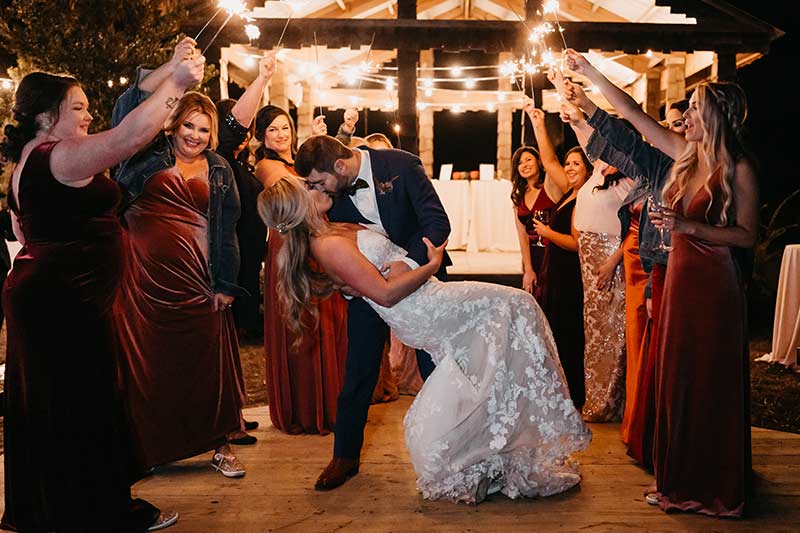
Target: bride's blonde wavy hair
(722, 110)
(287, 208)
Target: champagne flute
(654, 206)
(542, 216)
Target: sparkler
(252, 32)
(316, 60)
(207, 23)
(233, 7)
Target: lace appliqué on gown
(497, 405)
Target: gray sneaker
(228, 466)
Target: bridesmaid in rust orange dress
(303, 379)
(636, 331)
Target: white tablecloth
(481, 215)
(786, 328)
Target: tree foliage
(97, 41)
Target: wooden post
(277, 93)
(305, 114)
(725, 66)
(505, 116)
(426, 119)
(652, 99)
(407, 99)
(407, 9)
(673, 79)
(407, 58)
(223, 74)
(531, 7)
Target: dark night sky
(771, 92)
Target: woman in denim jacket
(183, 378)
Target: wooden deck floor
(277, 492)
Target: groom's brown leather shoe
(336, 473)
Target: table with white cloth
(480, 213)
(786, 328)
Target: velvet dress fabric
(184, 385)
(525, 216)
(67, 458)
(702, 423)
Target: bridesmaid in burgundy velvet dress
(68, 464)
(184, 384)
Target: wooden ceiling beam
(497, 36)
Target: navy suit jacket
(407, 203)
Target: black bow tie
(359, 184)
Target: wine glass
(543, 216)
(654, 206)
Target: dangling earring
(44, 121)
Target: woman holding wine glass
(655, 209)
(534, 195)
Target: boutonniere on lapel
(385, 187)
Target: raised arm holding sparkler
(667, 141)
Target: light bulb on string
(456, 72)
(470, 83)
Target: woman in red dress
(67, 450)
(533, 191)
(305, 369)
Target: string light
(6, 84)
(456, 71)
(123, 80)
(396, 128)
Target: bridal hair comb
(281, 227)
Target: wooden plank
(277, 492)
(500, 35)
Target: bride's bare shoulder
(333, 242)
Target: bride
(495, 415)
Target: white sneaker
(228, 466)
(164, 520)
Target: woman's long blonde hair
(287, 208)
(722, 109)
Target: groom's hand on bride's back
(394, 268)
(347, 290)
(435, 253)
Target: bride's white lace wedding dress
(496, 411)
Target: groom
(389, 192)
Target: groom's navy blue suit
(409, 209)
